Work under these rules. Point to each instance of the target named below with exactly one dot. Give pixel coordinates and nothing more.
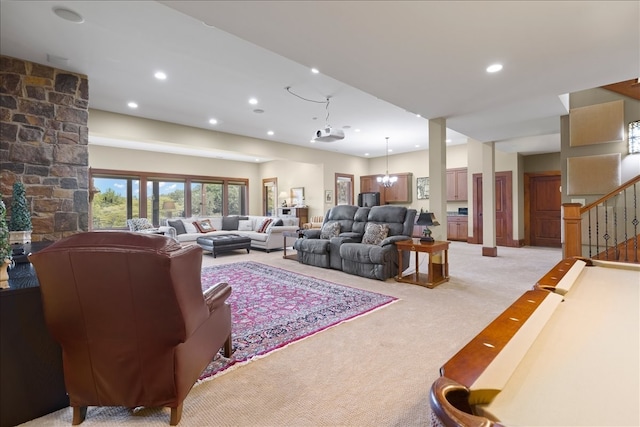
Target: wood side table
(290, 234)
(437, 272)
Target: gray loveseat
(365, 243)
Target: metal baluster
(635, 223)
(616, 249)
(597, 232)
(590, 254)
(606, 235)
(626, 238)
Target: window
(117, 201)
(634, 137)
(236, 198)
(269, 199)
(206, 199)
(165, 199)
(344, 189)
(125, 195)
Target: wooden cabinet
(368, 184)
(457, 228)
(400, 192)
(457, 184)
(301, 213)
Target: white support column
(489, 247)
(438, 175)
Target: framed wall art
(297, 196)
(328, 196)
(422, 186)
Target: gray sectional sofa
(358, 240)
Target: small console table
(438, 272)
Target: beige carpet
(374, 370)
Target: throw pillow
(139, 224)
(230, 223)
(245, 225)
(374, 234)
(178, 225)
(204, 226)
(329, 230)
(265, 224)
(189, 227)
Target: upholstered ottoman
(224, 243)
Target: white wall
(293, 166)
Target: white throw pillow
(189, 227)
(245, 225)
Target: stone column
(43, 143)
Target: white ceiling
(380, 62)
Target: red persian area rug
(272, 307)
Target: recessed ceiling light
(253, 101)
(270, 133)
(366, 154)
(68, 15)
(390, 150)
(447, 140)
(418, 115)
(213, 121)
(315, 70)
(494, 68)
(160, 75)
(132, 105)
(313, 141)
(417, 145)
(356, 130)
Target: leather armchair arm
(216, 295)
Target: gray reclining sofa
(364, 242)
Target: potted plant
(20, 222)
(5, 246)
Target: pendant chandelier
(387, 181)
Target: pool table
(566, 353)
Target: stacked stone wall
(43, 144)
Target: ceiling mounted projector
(329, 134)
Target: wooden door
(504, 209)
(544, 210)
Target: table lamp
(168, 206)
(427, 219)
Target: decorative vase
(4, 273)
(20, 237)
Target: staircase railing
(607, 228)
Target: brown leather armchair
(131, 318)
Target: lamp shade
(168, 205)
(427, 218)
(283, 195)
